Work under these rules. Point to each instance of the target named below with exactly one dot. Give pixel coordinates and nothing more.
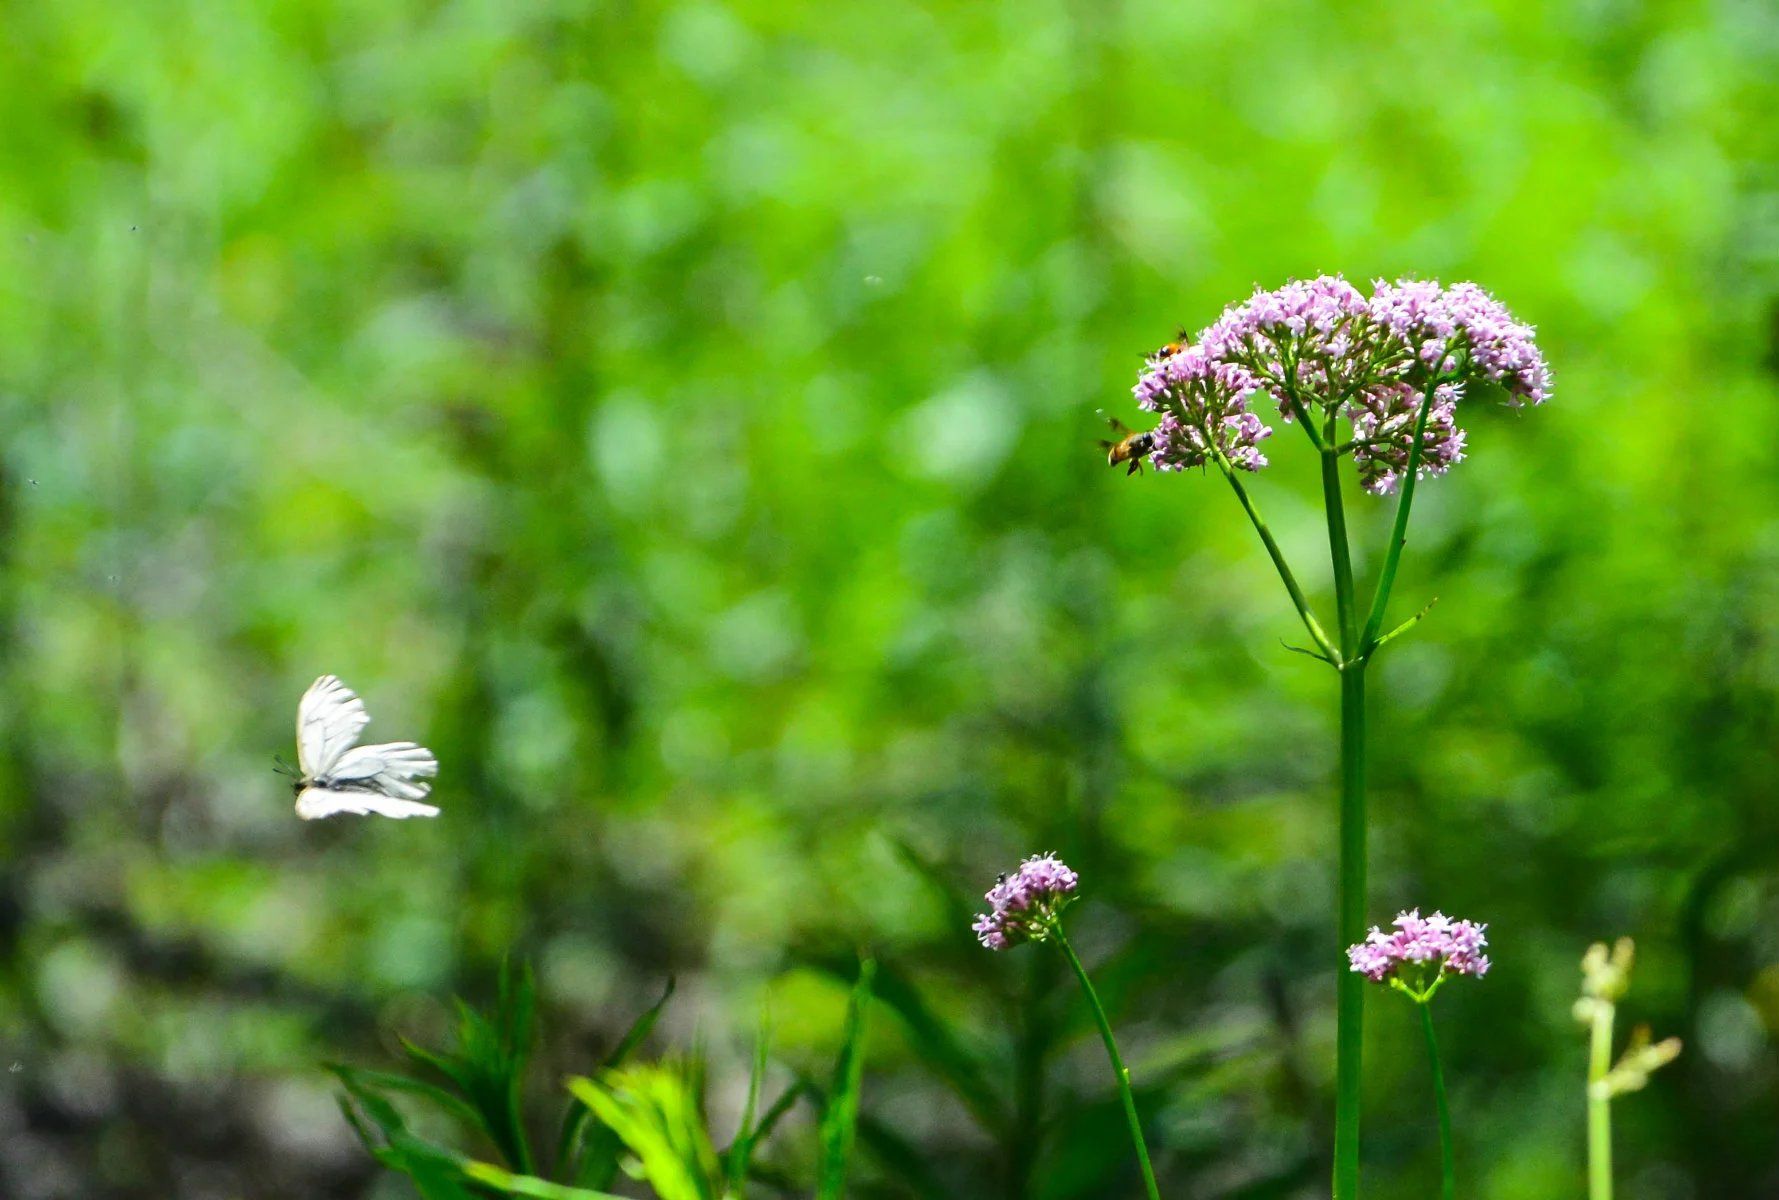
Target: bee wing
(330, 717)
(315, 803)
(1118, 427)
(393, 768)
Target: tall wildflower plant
(1027, 906)
(1416, 957)
(1377, 380)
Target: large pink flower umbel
(1322, 344)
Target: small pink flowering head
(1384, 418)
(1204, 411)
(1024, 906)
(1418, 953)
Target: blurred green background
(681, 416)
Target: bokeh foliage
(680, 416)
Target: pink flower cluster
(1321, 344)
(1443, 324)
(1309, 335)
(1023, 905)
(1203, 404)
(1438, 942)
(1383, 430)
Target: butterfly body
(336, 775)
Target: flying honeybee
(1168, 349)
(1131, 447)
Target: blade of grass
(903, 1159)
(389, 1081)
(379, 1110)
(840, 1118)
(355, 1120)
(776, 1111)
(741, 1150)
(436, 1173)
(430, 1168)
(937, 1043)
(571, 1156)
(529, 1186)
(428, 1164)
(654, 1113)
(517, 1014)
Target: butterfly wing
(330, 717)
(315, 803)
(393, 768)
(385, 779)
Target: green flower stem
(1118, 1067)
(1380, 600)
(1310, 623)
(1350, 988)
(1600, 1103)
(1349, 1034)
(1448, 1171)
(1339, 553)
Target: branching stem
(1380, 600)
(1298, 599)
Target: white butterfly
(337, 776)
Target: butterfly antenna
(284, 768)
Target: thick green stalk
(1118, 1068)
(1600, 1104)
(1350, 901)
(1340, 555)
(1350, 995)
(1448, 1170)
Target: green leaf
(904, 1161)
(432, 1169)
(581, 1156)
(448, 1065)
(389, 1081)
(442, 1174)
(529, 1185)
(436, 1173)
(362, 1131)
(488, 1065)
(378, 1109)
(654, 1112)
(841, 1115)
